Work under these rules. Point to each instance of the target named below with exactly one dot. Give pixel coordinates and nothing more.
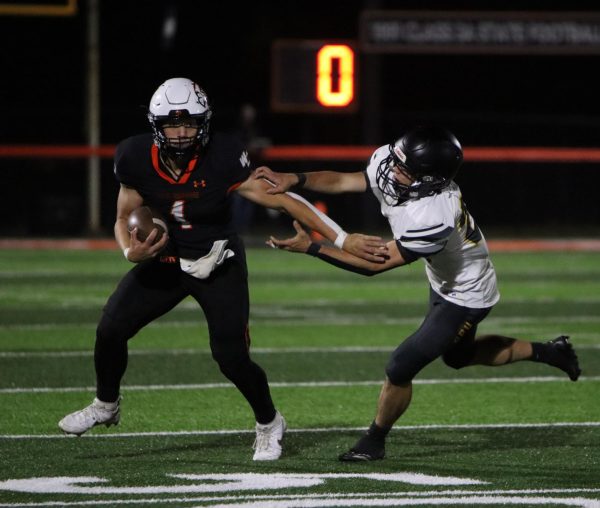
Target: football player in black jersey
(189, 177)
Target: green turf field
(521, 435)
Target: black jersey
(197, 205)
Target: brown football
(145, 220)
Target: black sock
(378, 433)
(545, 353)
(372, 443)
(539, 352)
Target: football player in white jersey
(413, 182)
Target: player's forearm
(344, 260)
(296, 207)
(351, 262)
(328, 182)
(122, 235)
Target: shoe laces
(265, 434)
(263, 439)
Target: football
(145, 220)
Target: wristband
(339, 241)
(313, 249)
(126, 253)
(301, 180)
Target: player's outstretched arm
(303, 243)
(329, 182)
(371, 248)
(279, 182)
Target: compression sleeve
(315, 250)
(325, 218)
(408, 255)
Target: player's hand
(140, 251)
(279, 182)
(370, 248)
(298, 243)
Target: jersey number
(178, 212)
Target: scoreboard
(320, 76)
(312, 76)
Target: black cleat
(367, 449)
(564, 358)
(356, 456)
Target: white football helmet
(179, 99)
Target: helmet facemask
(394, 193)
(180, 147)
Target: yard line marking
(396, 500)
(191, 351)
(434, 426)
(308, 319)
(219, 483)
(346, 499)
(301, 384)
(188, 351)
(358, 500)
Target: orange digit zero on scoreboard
(335, 75)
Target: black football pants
(448, 331)
(150, 290)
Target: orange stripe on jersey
(234, 186)
(191, 165)
(184, 177)
(156, 165)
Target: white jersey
(439, 229)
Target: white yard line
(257, 350)
(399, 428)
(300, 384)
(188, 351)
(335, 501)
(310, 318)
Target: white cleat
(267, 445)
(97, 413)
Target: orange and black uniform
(197, 208)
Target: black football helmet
(429, 155)
(179, 100)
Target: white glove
(203, 267)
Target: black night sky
(226, 47)
(487, 100)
